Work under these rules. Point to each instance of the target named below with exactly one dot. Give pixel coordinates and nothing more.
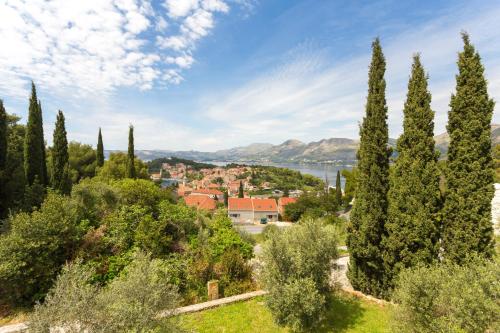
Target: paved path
(21, 327)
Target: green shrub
(449, 298)
(131, 303)
(36, 246)
(296, 272)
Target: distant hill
(334, 150)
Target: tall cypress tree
(414, 197)
(241, 194)
(100, 150)
(467, 226)
(44, 177)
(130, 156)
(33, 143)
(60, 157)
(369, 213)
(3, 137)
(338, 188)
(3, 160)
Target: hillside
(333, 150)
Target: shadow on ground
(344, 313)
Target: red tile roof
(200, 202)
(240, 204)
(207, 191)
(264, 205)
(285, 201)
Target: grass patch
(347, 314)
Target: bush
(296, 270)
(34, 249)
(449, 298)
(131, 303)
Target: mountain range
(333, 150)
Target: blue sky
(213, 74)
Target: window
(270, 217)
(234, 215)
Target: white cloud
(95, 46)
(310, 98)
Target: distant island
(332, 151)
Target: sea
(323, 171)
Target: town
(231, 187)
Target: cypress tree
(338, 188)
(44, 177)
(60, 157)
(3, 160)
(100, 150)
(130, 156)
(226, 198)
(467, 226)
(241, 194)
(414, 198)
(369, 213)
(33, 143)
(3, 137)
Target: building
(212, 193)
(200, 202)
(252, 210)
(282, 202)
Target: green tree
(14, 176)
(414, 197)
(296, 271)
(60, 157)
(45, 177)
(467, 226)
(370, 207)
(130, 157)
(130, 303)
(35, 247)
(100, 150)
(3, 137)
(116, 167)
(350, 177)
(3, 159)
(34, 155)
(434, 299)
(241, 194)
(338, 188)
(82, 161)
(226, 198)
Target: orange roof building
(200, 202)
(252, 210)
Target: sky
(215, 74)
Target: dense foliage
(312, 204)
(297, 264)
(412, 228)
(449, 298)
(103, 223)
(369, 212)
(82, 161)
(116, 167)
(467, 226)
(131, 303)
(155, 165)
(283, 178)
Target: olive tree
(296, 270)
(448, 298)
(130, 303)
